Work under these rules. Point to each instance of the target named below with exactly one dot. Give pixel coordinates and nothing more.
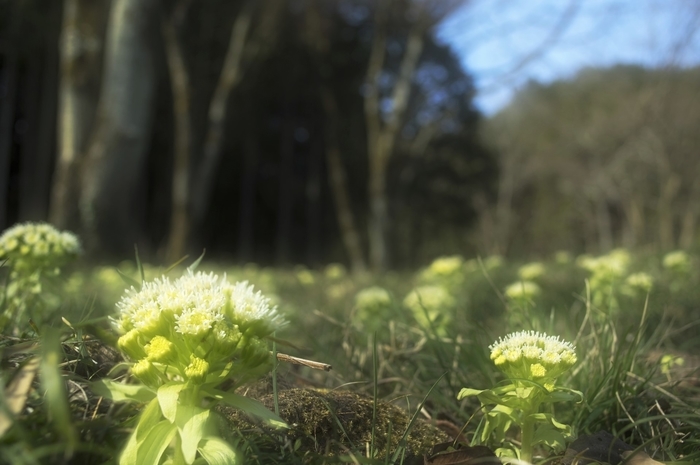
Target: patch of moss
(335, 423)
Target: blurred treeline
(610, 158)
(276, 131)
(311, 131)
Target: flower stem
(527, 436)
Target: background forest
(284, 132)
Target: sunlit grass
(411, 360)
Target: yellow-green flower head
(197, 370)
(373, 308)
(335, 271)
(562, 257)
(305, 276)
(446, 266)
(531, 271)
(434, 300)
(641, 281)
(145, 371)
(193, 326)
(612, 265)
(372, 299)
(677, 261)
(32, 246)
(493, 262)
(533, 355)
(522, 290)
(159, 350)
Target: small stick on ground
(302, 361)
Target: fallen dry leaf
(17, 391)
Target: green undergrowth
(398, 362)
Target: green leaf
(216, 451)
(468, 392)
(168, 395)
(119, 392)
(54, 385)
(249, 406)
(139, 265)
(149, 418)
(549, 436)
(154, 444)
(128, 280)
(194, 265)
(192, 423)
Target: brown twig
(302, 361)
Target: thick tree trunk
(80, 55)
(118, 145)
(35, 183)
(8, 97)
(179, 81)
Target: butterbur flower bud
(197, 370)
(130, 344)
(255, 352)
(147, 373)
(160, 350)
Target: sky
(505, 43)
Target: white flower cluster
(373, 306)
(37, 245)
(195, 302)
(533, 355)
(430, 303)
(522, 290)
(198, 323)
(531, 271)
(677, 261)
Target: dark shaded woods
(278, 132)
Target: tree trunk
(246, 215)
(339, 186)
(381, 137)
(286, 188)
(314, 207)
(7, 116)
(231, 71)
(179, 81)
(119, 143)
(80, 53)
(317, 40)
(690, 217)
(669, 189)
(36, 175)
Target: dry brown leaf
(17, 391)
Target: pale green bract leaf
(468, 392)
(119, 392)
(548, 435)
(216, 451)
(168, 395)
(191, 422)
(249, 406)
(151, 449)
(150, 417)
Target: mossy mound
(335, 423)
